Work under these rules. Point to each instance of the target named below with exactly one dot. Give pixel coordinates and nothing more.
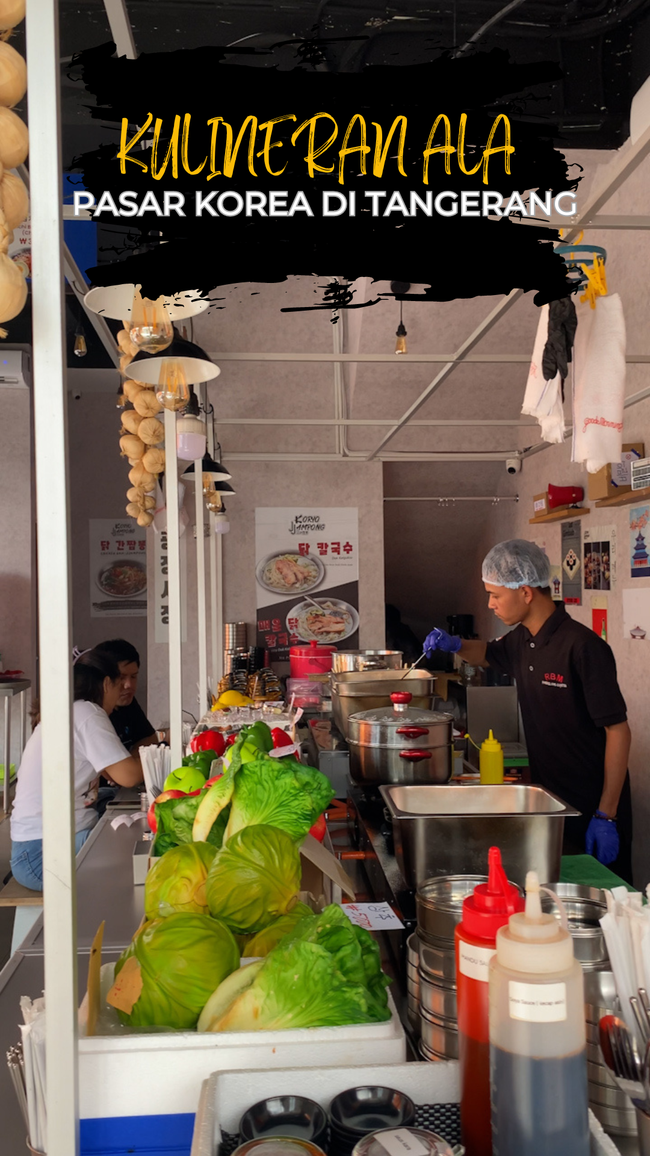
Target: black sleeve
(132, 724)
(597, 669)
(500, 653)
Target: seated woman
(97, 688)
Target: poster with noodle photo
(118, 568)
(307, 578)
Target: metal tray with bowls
(450, 828)
(360, 660)
(359, 690)
(585, 907)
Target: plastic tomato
(231, 740)
(214, 779)
(280, 738)
(151, 813)
(209, 741)
(319, 829)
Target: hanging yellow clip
(596, 282)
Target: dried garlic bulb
(146, 403)
(126, 345)
(125, 361)
(13, 75)
(11, 13)
(6, 234)
(151, 431)
(14, 139)
(131, 420)
(134, 509)
(13, 289)
(14, 199)
(132, 389)
(149, 502)
(135, 494)
(138, 476)
(132, 447)
(145, 518)
(154, 461)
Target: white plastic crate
(162, 1073)
(225, 1096)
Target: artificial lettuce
(326, 974)
(265, 941)
(177, 881)
(279, 793)
(175, 819)
(181, 960)
(254, 878)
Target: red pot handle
(415, 756)
(412, 732)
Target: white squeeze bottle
(538, 1060)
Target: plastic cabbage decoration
(265, 941)
(177, 881)
(254, 879)
(175, 819)
(180, 960)
(327, 974)
(279, 793)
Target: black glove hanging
(562, 325)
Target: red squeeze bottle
(484, 912)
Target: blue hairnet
(516, 563)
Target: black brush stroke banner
(452, 257)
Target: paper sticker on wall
(639, 559)
(599, 622)
(556, 583)
(636, 615)
(571, 566)
(599, 558)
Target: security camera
(513, 465)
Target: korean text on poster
(118, 568)
(307, 577)
(161, 588)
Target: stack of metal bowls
(439, 906)
(413, 982)
(609, 1105)
(235, 649)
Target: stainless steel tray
(443, 830)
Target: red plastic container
(311, 659)
(484, 912)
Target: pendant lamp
(191, 437)
(116, 301)
(213, 470)
(221, 523)
(173, 370)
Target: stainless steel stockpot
(402, 744)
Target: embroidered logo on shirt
(554, 680)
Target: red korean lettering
(130, 545)
(348, 548)
(263, 624)
(336, 548)
(322, 548)
(283, 639)
(276, 625)
(106, 545)
(271, 641)
(120, 547)
(303, 548)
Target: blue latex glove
(440, 640)
(602, 840)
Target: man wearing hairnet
(574, 714)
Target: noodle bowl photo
(322, 620)
(290, 573)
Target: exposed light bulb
(80, 347)
(172, 390)
(213, 500)
(221, 523)
(150, 325)
(400, 339)
(191, 439)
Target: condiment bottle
(484, 912)
(491, 760)
(538, 1061)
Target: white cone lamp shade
(116, 301)
(209, 468)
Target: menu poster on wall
(599, 554)
(118, 568)
(571, 565)
(639, 560)
(307, 578)
(161, 587)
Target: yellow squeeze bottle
(491, 760)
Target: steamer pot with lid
(401, 744)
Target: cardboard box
(616, 477)
(540, 505)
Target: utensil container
(442, 830)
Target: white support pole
(219, 590)
(216, 657)
(201, 616)
(174, 580)
(53, 534)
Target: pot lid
(313, 648)
(401, 714)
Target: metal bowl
(438, 961)
(438, 1000)
(439, 904)
(439, 1038)
(285, 1116)
(358, 1111)
(413, 951)
(593, 1035)
(413, 983)
(585, 907)
(600, 1074)
(614, 1121)
(429, 1055)
(600, 988)
(609, 1097)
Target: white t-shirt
(96, 746)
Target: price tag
(373, 916)
(401, 1142)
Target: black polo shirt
(131, 724)
(568, 692)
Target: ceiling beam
(393, 359)
(120, 25)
